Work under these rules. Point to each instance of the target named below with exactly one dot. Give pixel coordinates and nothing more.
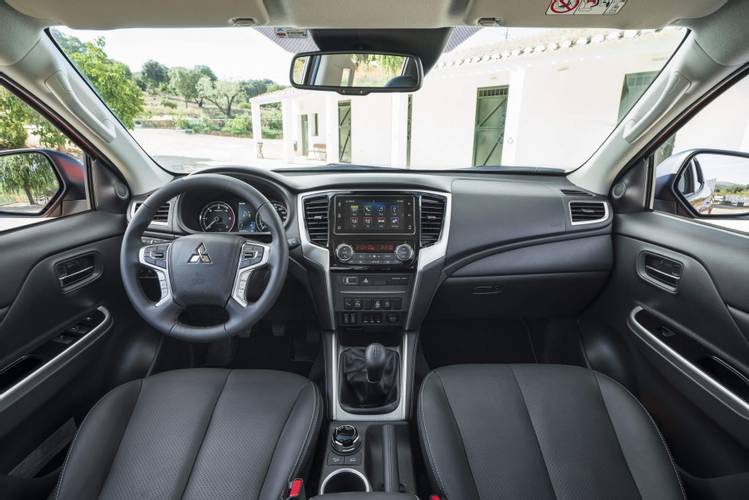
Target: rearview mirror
(715, 183)
(357, 73)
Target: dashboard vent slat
(588, 212)
(316, 219)
(162, 214)
(432, 219)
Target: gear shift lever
(375, 357)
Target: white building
(490, 104)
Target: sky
(232, 53)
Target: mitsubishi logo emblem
(200, 256)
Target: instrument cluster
(217, 212)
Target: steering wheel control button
(252, 255)
(346, 439)
(156, 255)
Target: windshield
(195, 98)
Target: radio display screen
(384, 214)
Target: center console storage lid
(366, 496)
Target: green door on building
(489, 131)
(635, 84)
(344, 131)
(305, 135)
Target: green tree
(13, 117)
(203, 70)
(112, 79)
(69, 44)
(184, 82)
(16, 119)
(155, 75)
(221, 93)
(28, 173)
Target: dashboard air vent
(162, 214)
(316, 219)
(588, 212)
(432, 217)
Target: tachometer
(281, 210)
(217, 217)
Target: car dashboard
(384, 250)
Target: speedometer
(281, 210)
(217, 217)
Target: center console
(377, 256)
(375, 242)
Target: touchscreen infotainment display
(384, 214)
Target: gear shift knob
(375, 357)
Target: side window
(702, 170)
(42, 173)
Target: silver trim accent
(162, 273)
(316, 255)
(399, 413)
(243, 274)
(48, 369)
(689, 370)
(432, 253)
(367, 486)
(134, 205)
(605, 217)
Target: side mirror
(713, 183)
(35, 182)
(356, 73)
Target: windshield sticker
(585, 7)
(291, 33)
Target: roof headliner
(101, 14)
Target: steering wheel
(204, 268)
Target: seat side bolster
(93, 450)
(642, 444)
(441, 441)
(298, 437)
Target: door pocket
(697, 361)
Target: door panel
(42, 320)
(683, 348)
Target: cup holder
(345, 481)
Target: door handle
(663, 272)
(77, 271)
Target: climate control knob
(404, 252)
(344, 252)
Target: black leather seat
(540, 431)
(195, 434)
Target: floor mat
(478, 341)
